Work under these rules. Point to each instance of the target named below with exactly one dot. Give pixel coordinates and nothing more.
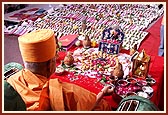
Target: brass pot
(118, 71)
(68, 60)
(86, 42)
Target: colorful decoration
(141, 65)
(111, 40)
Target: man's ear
(49, 66)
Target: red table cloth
(156, 70)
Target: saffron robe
(40, 93)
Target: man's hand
(108, 90)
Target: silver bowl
(122, 83)
(131, 80)
(150, 81)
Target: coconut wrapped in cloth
(38, 46)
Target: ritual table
(156, 70)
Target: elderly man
(41, 93)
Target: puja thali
(127, 87)
(92, 61)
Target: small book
(68, 41)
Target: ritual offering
(133, 86)
(143, 94)
(122, 83)
(141, 65)
(148, 90)
(150, 81)
(93, 43)
(132, 81)
(142, 83)
(86, 42)
(92, 63)
(118, 71)
(68, 60)
(59, 70)
(102, 63)
(112, 39)
(78, 43)
(133, 50)
(124, 89)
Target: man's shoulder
(17, 75)
(20, 76)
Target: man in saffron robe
(38, 50)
